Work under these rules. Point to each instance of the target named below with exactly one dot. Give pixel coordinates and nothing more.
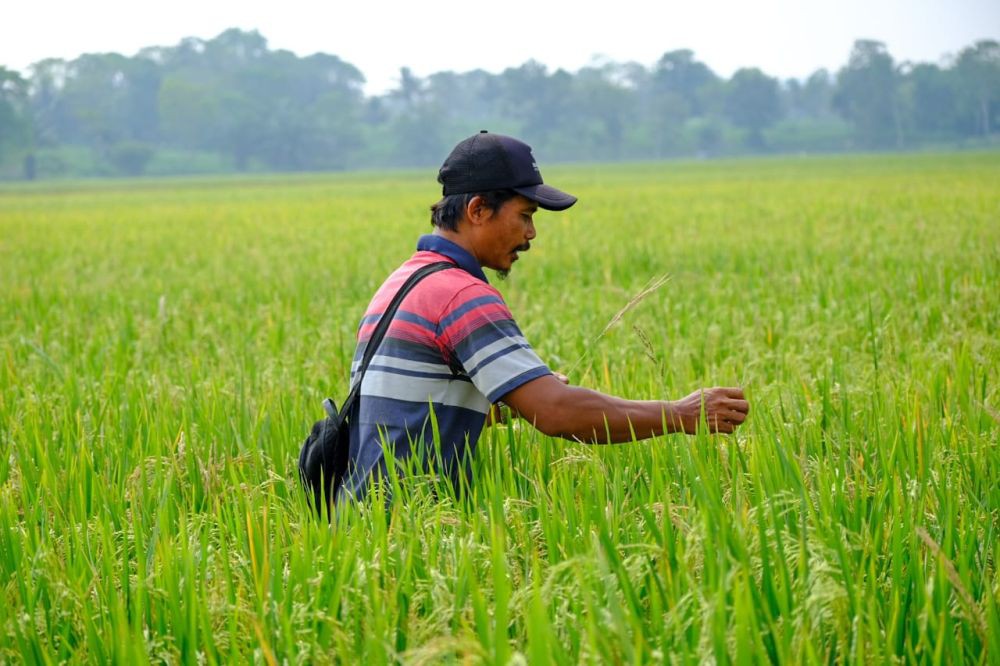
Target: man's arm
(574, 412)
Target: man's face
(507, 233)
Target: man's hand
(724, 408)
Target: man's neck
(461, 240)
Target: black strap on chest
(383, 326)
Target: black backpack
(324, 455)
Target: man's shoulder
(436, 296)
(448, 289)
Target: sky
(784, 38)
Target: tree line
(233, 104)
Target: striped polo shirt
(453, 347)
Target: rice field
(165, 346)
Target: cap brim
(547, 197)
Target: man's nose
(530, 232)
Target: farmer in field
(454, 349)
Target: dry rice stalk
(978, 621)
(994, 414)
(651, 286)
(647, 345)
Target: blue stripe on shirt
(495, 355)
(486, 334)
(515, 382)
(414, 373)
(465, 308)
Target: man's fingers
(741, 406)
(732, 392)
(727, 415)
(723, 426)
(734, 416)
(725, 420)
(735, 404)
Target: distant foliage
(234, 102)
(130, 158)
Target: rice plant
(164, 346)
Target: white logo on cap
(534, 166)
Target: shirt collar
(454, 251)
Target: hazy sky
(783, 37)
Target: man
(454, 348)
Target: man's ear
(476, 211)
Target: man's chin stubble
(503, 275)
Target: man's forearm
(590, 416)
(577, 413)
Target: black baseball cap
(486, 162)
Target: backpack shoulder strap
(383, 326)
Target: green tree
(929, 94)
(606, 101)
(679, 89)
(15, 119)
(338, 130)
(811, 98)
(234, 96)
(469, 100)
(309, 112)
(539, 102)
(107, 98)
(866, 95)
(190, 111)
(52, 119)
(130, 157)
(978, 77)
(412, 129)
(753, 103)
(678, 72)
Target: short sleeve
(479, 332)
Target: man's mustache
(523, 248)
